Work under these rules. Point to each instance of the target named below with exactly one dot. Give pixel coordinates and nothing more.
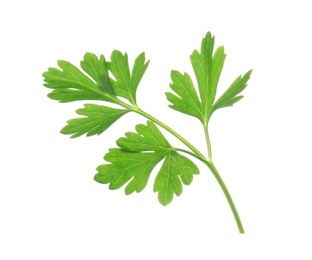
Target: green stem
(227, 195)
(208, 143)
(170, 130)
(192, 154)
(222, 185)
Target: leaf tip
(128, 191)
(54, 96)
(164, 202)
(45, 75)
(96, 177)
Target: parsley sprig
(132, 162)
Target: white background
(50, 206)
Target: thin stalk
(222, 185)
(170, 130)
(227, 195)
(192, 154)
(208, 143)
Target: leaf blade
(230, 96)
(138, 70)
(126, 83)
(216, 69)
(119, 67)
(71, 84)
(202, 65)
(132, 163)
(147, 138)
(168, 181)
(134, 168)
(98, 119)
(97, 69)
(187, 100)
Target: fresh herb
(139, 152)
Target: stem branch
(192, 154)
(170, 130)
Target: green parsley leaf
(188, 101)
(146, 138)
(126, 166)
(134, 161)
(207, 66)
(97, 69)
(138, 70)
(98, 119)
(125, 84)
(230, 96)
(70, 84)
(202, 63)
(174, 169)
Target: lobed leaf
(134, 160)
(207, 66)
(98, 119)
(98, 70)
(119, 67)
(187, 100)
(202, 66)
(216, 69)
(70, 84)
(138, 70)
(125, 84)
(168, 181)
(147, 138)
(230, 96)
(126, 166)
